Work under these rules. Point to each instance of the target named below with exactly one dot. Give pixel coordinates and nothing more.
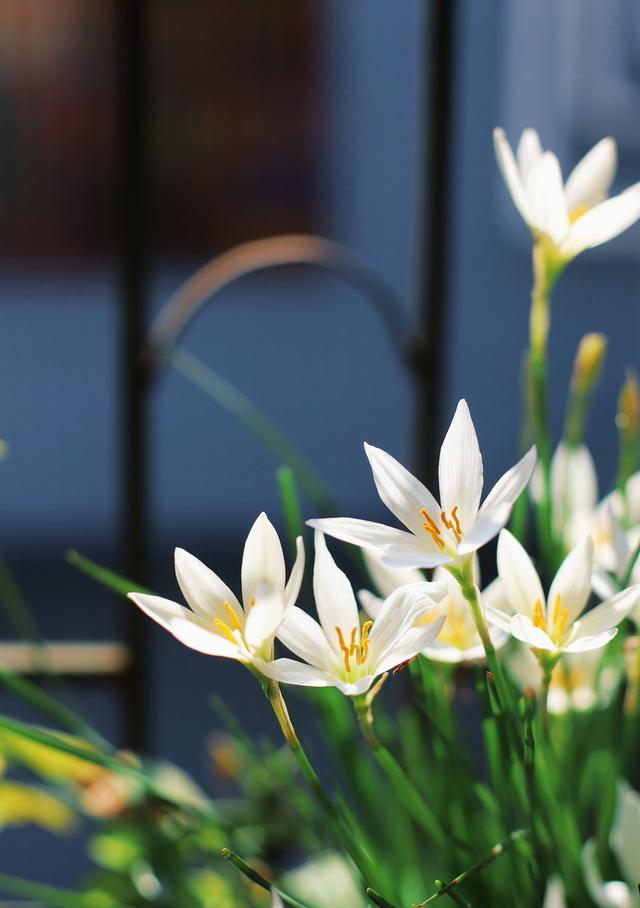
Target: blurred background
(138, 140)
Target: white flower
(325, 881)
(458, 641)
(571, 217)
(578, 682)
(574, 492)
(338, 651)
(217, 624)
(554, 894)
(439, 532)
(624, 840)
(556, 624)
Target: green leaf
(105, 576)
(54, 897)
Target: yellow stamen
(363, 652)
(346, 651)
(225, 630)
(453, 524)
(577, 214)
(539, 619)
(559, 617)
(432, 529)
(235, 622)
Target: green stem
(495, 852)
(544, 278)
(252, 874)
(343, 831)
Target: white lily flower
(578, 682)
(439, 533)
(574, 492)
(458, 641)
(326, 881)
(624, 840)
(554, 894)
(572, 217)
(556, 624)
(338, 652)
(217, 624)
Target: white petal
(291, 672)
(333, 593)
(292, 589)
(602, 584)
(535, 637)
(276, 901)
(587, 644)
(204, 591)
(511, 174)
(262, 560)
(602, 223)
(203, 640)
(554, 894)
(403, 494)
(529, 152)
(614, 894)
(395, 547)
(304, 637)
(625, 833)
(354, 688)
(401, 610)
(590, 180)
(487, 525)
(545, 194)
(264, 616)
(500, 618)
(508, 488)
(370, 603)
(413, 642)
(609, 613)
(572, 583)
(161, 610)
(460, 468)
(574, 490)
(518, 576)
(494, 596)
(387, 579)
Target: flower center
(230, 631)
(451, 522)
(559, 619)
(353, 650)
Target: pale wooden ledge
(65, 658)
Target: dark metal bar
(427, 355)
(132, 224)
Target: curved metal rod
(259, 255)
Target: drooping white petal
(262, 559)
(386, 578)
(161, 610)
(291, 672)
(403, 494)
(523, 629)
(508, 488)
(614, 894)
(333, 593)
(529, 152)
(204, 591)
(487, 525)
(409, 645)
(572, 583)
(265, 615)
(304, 637)
(586, 644)
(545, 194)
(202, 639)
(609, 613)
(511, 174)
(589, 182)
(518, 576)
(395, 547)
(401, 610)
(460, 468)
(625, 833)
(292, 589)
(602, 223)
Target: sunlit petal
(590, 180)
(460, 468)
